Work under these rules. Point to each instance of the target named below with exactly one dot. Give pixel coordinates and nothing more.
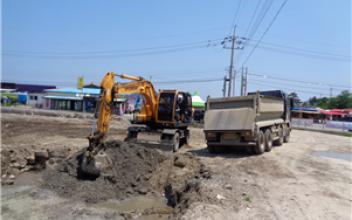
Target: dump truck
(256, 121)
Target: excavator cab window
(183, 107)
(166, 106)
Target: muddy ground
(287, 183)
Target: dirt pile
(19, 160)
(12, 163)
(133, 170)
(128, 167)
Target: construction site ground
(290, 182)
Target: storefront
(71, 99)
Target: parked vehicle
(257, 121)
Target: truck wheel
(176, 142)
(260, 144)
(268, 140)
(212, 149)
(280, 140)
(287, 135)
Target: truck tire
(211, 149)
(287, 135)
(280, 140)
(259, 148)
(176, 142)
(268, 140)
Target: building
(71, 99)
(29, 94)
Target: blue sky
(55, 42)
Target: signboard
(80, 82)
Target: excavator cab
(174, 109)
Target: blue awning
(63, 97)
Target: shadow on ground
(228, 152)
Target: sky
(306, 49)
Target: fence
(329, 125)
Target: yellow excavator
(168, 112)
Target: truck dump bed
(242, 112)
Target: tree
(343, 100)
(295, 98)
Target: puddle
(333, 154)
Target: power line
(236, 15)
(303, 54)
(184, 46)
(200, 80)
(299, 81)
(252, 17)
(302, 49)
(113, 55)
(266, 30)
(258, 21)
(295, 86)
(286, 88)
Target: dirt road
(287, 183)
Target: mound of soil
(13, 162)
(130, 167)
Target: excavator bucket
(87, 168)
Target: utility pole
(244, 81)
(231, 76)
(235, 45)
(224, 87)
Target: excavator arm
(110, 89)
(103, 113)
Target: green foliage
(296, 100)
(8, 99)
(343, 100)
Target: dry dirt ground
(286, 183)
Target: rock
(178, 162)
(228, 186)
(41, 155)
(3, 176)
(142, 190)
(8, 181)
(129, 190)
(30, 160)
(51, 161)
(17, 165)
(220, 197)
(12, 176)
